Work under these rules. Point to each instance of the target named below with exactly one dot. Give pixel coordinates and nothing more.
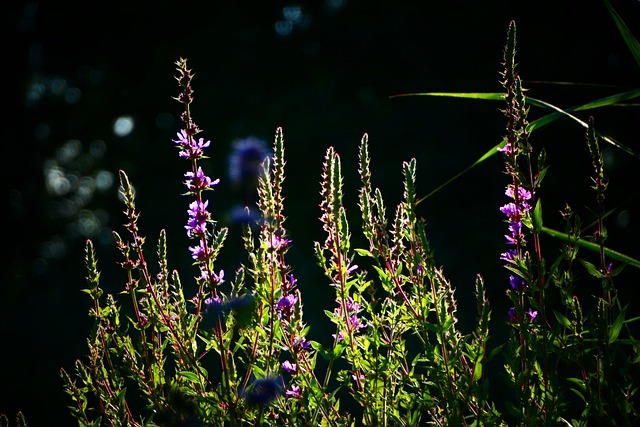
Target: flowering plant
(238, 352)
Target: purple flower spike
(189, 147)
(199, 181)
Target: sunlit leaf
(562, 319)
(189, 376)
(617, 326)
(536, 218)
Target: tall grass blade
(536, 124)
(605, 138)
(598, 103)
(493, 96)
(629, 39)
(592, 247)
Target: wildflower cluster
(239, 351)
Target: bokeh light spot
(292, 13)
(97, 148)
(623, 218)
(55, 180)
(104, 180)
(123, 126)
(284, 28)
(68, 151)
(72, 95)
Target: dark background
(73, 69)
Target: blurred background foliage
(89, 92)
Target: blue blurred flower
(263, 391)
(246, 158)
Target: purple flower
(509, 256)
(510, 210)
(292, 368)
(507, 149)
(277, 243)
(291, 281)
(198, 218)
(285, 306)
(516, 283)
(143, 320)
(199, 181)
(201, 252)
(515, 228)
(354, 323)
(211, 277)
(516, 236)
(294, 391)
(189, 147)
(301, 344)
(246, 158)
(287, 302)
(523, 193)
(212, 303)
(514, 318)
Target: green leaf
(536, 219)
(364, 252)
(192, 377)
(591, 269)
(617, 326)
(477, 372)
(318, 348)
(562, 319)
(338, 349)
